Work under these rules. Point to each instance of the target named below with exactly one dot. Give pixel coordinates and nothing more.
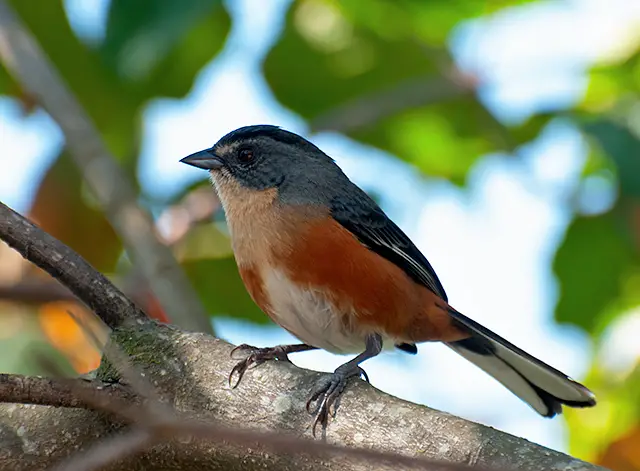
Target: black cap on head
(269, 131)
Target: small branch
(109, 449)
(24, 59)
(32, 292)
(69, 268)
(409, 94)
(76, 393)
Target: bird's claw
(328, 392)
(252, 356)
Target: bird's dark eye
(245, 155)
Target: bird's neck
(252, 217)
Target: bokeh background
(502, 136)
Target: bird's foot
(254, 356)
(328, 391)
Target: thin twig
(409, 94)
(108, 450)
(35, 292)
(68, 267)
(64, 392)
(23, 58)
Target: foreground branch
(69, 268)
(35, 292)
(190, 373)
(76, 393)
(23, 57)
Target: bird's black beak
(205, 159)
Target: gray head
(262, 157)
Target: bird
(320, 257)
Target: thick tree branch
(190, 371)
(23, 57)
(123, 404)
(69, 268)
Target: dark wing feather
(371, 226)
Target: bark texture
(190, 373)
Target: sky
(494, 241)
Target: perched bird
(322, 260)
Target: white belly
(310, 316)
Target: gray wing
(364, 219)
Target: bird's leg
(330, 387)
(255, 356)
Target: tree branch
(76, 393)
(190, 371)
(35, 292)
(409, 94)
(24, 58)
(121, 403)
(69, 268)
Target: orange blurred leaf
(64, 333)
(61, 208)
(624, 453)
(153, 308)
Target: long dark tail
(544, 388)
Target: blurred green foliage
(347, 51)
(381, 73)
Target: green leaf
(221, 290)
(619, 143)
(593, 265)
(109, 104)
(611, 83)
(594, 430)
(160, 45)
(115, 101)
(25, 344)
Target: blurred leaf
(624, 453)
(619, 143)
(64, 333)
(161, 44)
(608, 84)
(8, 86)
(151, 306)
(61, 209)
(97, 87)
(435, 19)
(592, 264)
(203, 241)
(182, 41)
(220, 288)
(614, 419)
(20, 338)
(356, 50)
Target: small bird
(323, 261)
